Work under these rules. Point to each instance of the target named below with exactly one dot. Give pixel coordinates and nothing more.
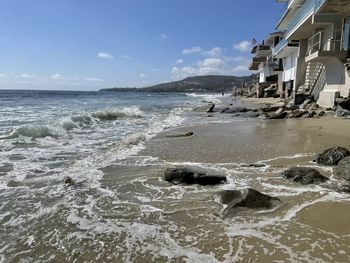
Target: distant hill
(209, 83)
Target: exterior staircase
(313, 79)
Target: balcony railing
(325, 41)
(309, 7)
(280, 46)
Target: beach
(120, 208)
(310, 226)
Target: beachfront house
(314, 49)
(270, 69)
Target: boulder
(211, 108)
(341, 112)
(184, 175)
(321, 113)
(331, 156)
(343, 188)
(270, 108)
(342, 171)
(304, 175)
(234, 110)
(344, 103)
(297, 114)
(68, 181)
(281, 115)
(238, 200)
(310, 114)
(280, 110)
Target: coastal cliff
(209, 83)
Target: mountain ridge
(206, 83)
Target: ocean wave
(114, 114)
(32, 131)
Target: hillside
(209, 83)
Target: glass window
(346, 34)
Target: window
(346, 34)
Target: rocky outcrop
(304, 175)
(235, 110)
(211, 108)
(297, 114)
(278, 116)
(342, 171)
(332, 156)
(238, 200)
(185, 175)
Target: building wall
(289, 66)
(263, 73)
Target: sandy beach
(311, 225)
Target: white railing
(325, 41)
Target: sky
(93, 44)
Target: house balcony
(305, 12)
(325, 44)
(256, 62)
(284, 47)
(261, 51)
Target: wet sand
(183, 224)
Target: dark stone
(310, 114)
(340, 112)
(211, 108)
(189, 176)
(68, 180)
(270, 108)
(248, 198)
(304, 175)
(234, 110)
(343, 188)
(300, 98)
(321, 113)
(255, 165)
(249, 114)
(344, 104)
(342, 171)
(331, 156)
(297, 114)
(281, 115)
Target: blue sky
(91, 44)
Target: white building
(316, 66)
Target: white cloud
(105, 55)
(142, 75)
(240, 69)
(179, 61)
(214, 52)
(192, 50)
(26, 76)
(126, 57)
(163, 36)
(243, 46)
(211, 62)
(183, 72)
(56, 76)
(93, 79)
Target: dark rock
(342, 171)
(300, 98)
(234, 110)
(255, 165)
(344, 104)
(68, 180)
(248, 198)
(249, 114)
(340, 112)
(321, 113)
(276, 96)
(282, 115)
(270, 108)
(343, 188)
(304, 175)
(211, 108)
(189, 176)
(280, 110)
(297, 114)
(332, 156)
(187, 134)
(310, 114)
